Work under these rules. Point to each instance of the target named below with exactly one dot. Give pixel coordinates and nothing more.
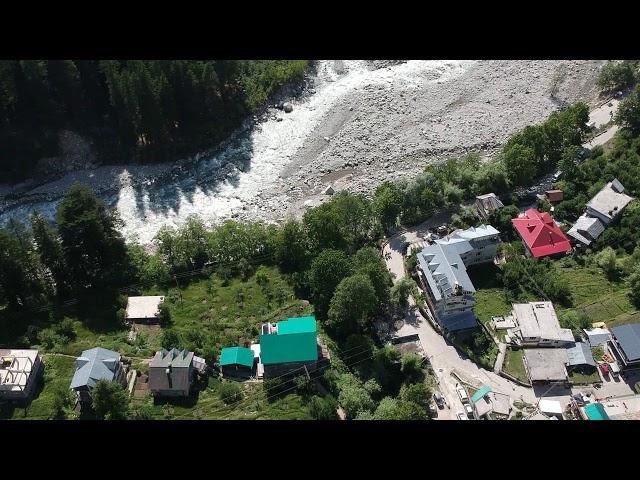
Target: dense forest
(142, 110)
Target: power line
(294, 387)
(237, 403)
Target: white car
(461, 416)
(462, 393)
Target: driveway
(601, 116)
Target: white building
(19, 371)
(538, 325)
(443, 274)
(144, 309)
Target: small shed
(580, 357)
(236, 361)
(144, 309)
(554, 195)
(597, 336)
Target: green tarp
(595, 411)
(480, 393)
(236, 356)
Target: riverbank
(355, 125)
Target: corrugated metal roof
(296, 342)
(628, 336)
(580, 354)
(297, 325)
(236, 356)
(595, 411)
(172, 358)
(93, 365)
(586, 229)
(480, 393)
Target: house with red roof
(541, 234)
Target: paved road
(604, 113)
(601, 116)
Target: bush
(170, 339)
(164, 315)
(412, 367)
(50, 340)
(65, 328)
(110, 401)
(230, 392)
(62, 400)
(616, 76)
(323, 408)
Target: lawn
(601, 299)
(207, 314)
(210, 314)
(581, 378)
(491, 299)
(58, 372)
(514, 365)
(253, 406)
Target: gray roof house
(609, 203)
(586, 230)
(580, 354)
(487, 203)
(626, 343)
(546, 364)
(443, 273)
(171, 372)
(94, 365)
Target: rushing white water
(260, 154)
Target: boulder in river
(288, 108)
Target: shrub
(65, 328)
(164, 315)
(323, 408)
(230, 392)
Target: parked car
(604, 368)
(469, 410)
(440, 401)
(461, 416)
(462, 393)
(433, 409)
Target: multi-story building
(443, 274)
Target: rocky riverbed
(356, 124)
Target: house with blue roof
(442, 270)
(94, 365)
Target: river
(219, 185)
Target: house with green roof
(236, 361)
(291, 345)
